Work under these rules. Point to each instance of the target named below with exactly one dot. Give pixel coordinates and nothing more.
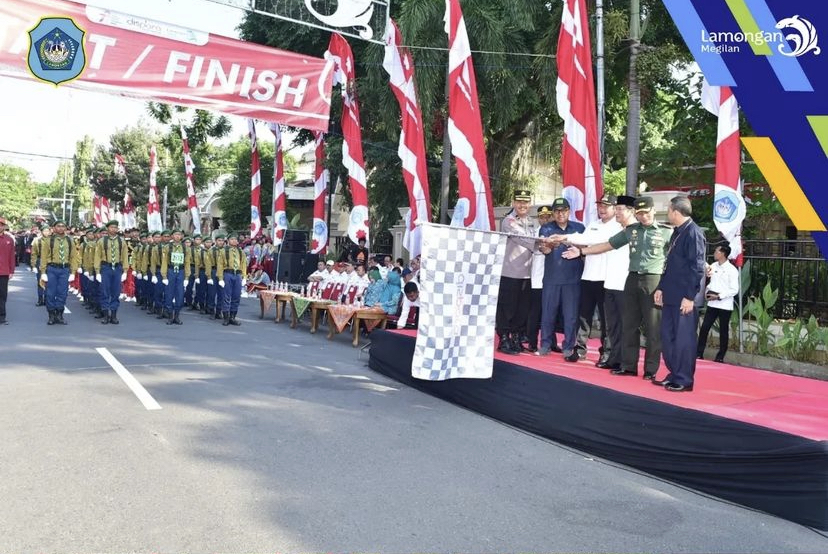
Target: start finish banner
(115, 52)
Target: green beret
(208, 238)
(58, 222)
(196, 235)
(90, 229)
(44, 227)
(221, 236)
(178, 231)
(233, 236)
(142, 235)
(101, 230)
(156, 234)
(113, 222)
(166, 233)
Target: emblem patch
(56, 52)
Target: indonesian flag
(153, 206)
(319, 238)
(339, 51)
(128, 212)
(576, 105)
(105, 214)
(729, 207)
(189, 167)
(96, 206)
(474, 207)
(255, 182)
(120, 166)
(400, 68)
(280, 221)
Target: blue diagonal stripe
(690, 26)
(787, 69)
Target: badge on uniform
(56, 53)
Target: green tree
(19, 194)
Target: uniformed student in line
(190, 288)
(58, 263)
(37, 248)
(111, 264)
(231, 265)
(156, 253)
(204, 265)
(175, 266)
(218, 291)
(86, 270)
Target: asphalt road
(272, 439)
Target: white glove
(30, 269)
(146, 277)
(221, 283)
(80, 270)
(165, 281)
(44, 277)
(209, 281)
(86, 273)
(197, 281)
(186, 282)
(123, 277)
(98, 278)
(154, 280)
(244, 282)
(71, 277)
(138, 276)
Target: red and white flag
(128, 212)
(319, 238)
(583, 184)
(729, 207)
(255, 182)
(153, 206)
(189, 167)
(96, 207)
(339, 51)
(474, 207)
(280, 221)
(120, 165)
(400, 67)
(105, 213)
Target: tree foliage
(19, 194)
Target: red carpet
(795, 405)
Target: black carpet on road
(772, 471)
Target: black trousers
(512, 305)
(533, 320)
(640, 309)
(614, 309)
(711, 315)
(592, 296)
(4, 293)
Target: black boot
(517, 342)
(226, 319)
(105, 320)
(171, 320)
(40, 302)
(162, 314)
(52, 318)
(99, 313)
(177, 319)
(151, 310)
(506, 346)
(113, 317)
(218, 314)
(233, 320)
(59, 315)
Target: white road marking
(133, 384)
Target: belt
(643, 273)
(62, 266)
(158, 269)
(110, 265)
(176, 268)
(236, 272)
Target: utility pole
(165, 208)
(64, 195)
(634, 114)
(446, 172)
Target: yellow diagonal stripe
(783, 183)
(819, 123)
(749, 26)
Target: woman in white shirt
(723, 287)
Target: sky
(41, 119)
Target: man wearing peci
(680, 293)
(722, 288)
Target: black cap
(623, 200)
(608, 199)
(643, 203)
(544, 210)
(560, 204)
(522, 195)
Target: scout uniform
(648, 248)
(35, 264)
(231, 267)
(156, 253)
(218, 291)
(111, 263)
(175, 266)
(191, 292)
(204, 266)
(87, 266)
(58, 262)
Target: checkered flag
(459, 282)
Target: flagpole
(741, 315)
(165, 208)
(599, 69)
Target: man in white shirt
(410, 300)
(536, 277)
(723, 287)
(618, 267)
(359, 279)
(320, 274)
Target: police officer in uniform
(681, 293)
(58, 262)
(231, 266)
(515, 283)
(175, 266)
(111, 264)
(648, 242)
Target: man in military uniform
(58, 262)
(231, 267)
(37, 247)
(680, 292)
(111, 264)
(648, 242)
(175, 266)
(515, 283)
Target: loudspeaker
(296, 267)
(295, 241)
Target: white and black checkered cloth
(459, 282)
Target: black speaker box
(295, 246)
(295, 267)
